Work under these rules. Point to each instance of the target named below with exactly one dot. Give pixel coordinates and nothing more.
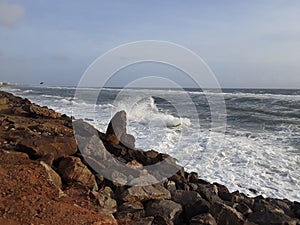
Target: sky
(247, 44)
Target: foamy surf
(261, 149)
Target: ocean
(260, 149)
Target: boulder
(143, 180)
(296, 209)
(203, 219)
(226, 215)
(72, 170)
(131, 210)
(164, 211)
(105, 220)
(83, 129)
(38, 146)
(266, 213)
(137, 221)
(28, 196)
(117, 125)
(93, 147)
(117, 128)
(43, 111)
(209, 192)
(243, 208)
(52, 127)
(4, 100)
(144, 193)
(53, 176)
(191, 202)
(170, 185)
(223, 192)
(135, 164)
(105, 201)
(128, 141)
(143, 221)
(283, 204)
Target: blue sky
(246, 43)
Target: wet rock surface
(55, 171)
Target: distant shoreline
(147, 88)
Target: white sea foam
(146, 112)
(261, 160)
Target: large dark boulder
(266, 213)
(164, 211)
(191, 202)
(117, 127)
(226, 215)
(203, 219)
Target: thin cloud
(10, 13)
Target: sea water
(260, 149)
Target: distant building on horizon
(3, 83)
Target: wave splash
(146, 112)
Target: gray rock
(95, 148)
(144, 179)
(104, 200)
(144, 193)
(117, 125)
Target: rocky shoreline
(45, 179)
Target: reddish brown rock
(43, 111)
(4, 101)
(72, 170)
(131, 210)
(135, 164)
(41, 145)
(28, 196)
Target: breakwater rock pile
(58, 171)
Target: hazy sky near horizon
(246, 43)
